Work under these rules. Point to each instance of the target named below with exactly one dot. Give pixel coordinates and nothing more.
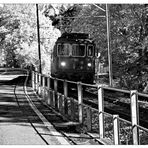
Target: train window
(90, 50)
(64, 49)
(78, 50)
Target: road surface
(19, 124)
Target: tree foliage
(62, 15)
(22, 38)
(8, 41)
(128, 33)
(129, 41)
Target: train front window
(90, 50)
(63, 49)
(78, 50)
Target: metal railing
(118, 130)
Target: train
(73, 58)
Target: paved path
(15, 127)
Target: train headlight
(63, 64)
(89, 64)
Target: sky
(74, 1)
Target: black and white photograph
(73, 73)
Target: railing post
(48, 86)
(36, 82)
(55, 90)
(39, 85)
(80, 102)
(33, 80)
(43, 80)
(65, 95)
(100, 111)
(53, 99)
(89, 118)
(72, 109)
(116, 129)
(63, 104)
(65, 89)
(49, 97)
(55, 85)
(58, 101)
(48, 82)
(135, 116)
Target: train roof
(74, 37)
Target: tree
(128, 39)
(8, 33)
(62, 15)
(129, 25)
(23, 38)
(128, 43)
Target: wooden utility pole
(108, 44)
(38, 34)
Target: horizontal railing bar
(105, 113)
(90, 85)
(59, 79)
(71, 82)
(116, 89)
(129, 124)
(125, 121)
(142, 128)
(142, 94)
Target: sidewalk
(19, 129)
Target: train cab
(74, 58)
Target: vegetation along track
(114, 103)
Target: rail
(118, 130)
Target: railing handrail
(142, 94)
(134, 107)
(96, 85)
(142, 128)
(125, 120)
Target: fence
(118, 130)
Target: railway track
(39, 112)
(114, 103)
(24, 106)
(74, 136)
(63, 126)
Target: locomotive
(73, 58)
